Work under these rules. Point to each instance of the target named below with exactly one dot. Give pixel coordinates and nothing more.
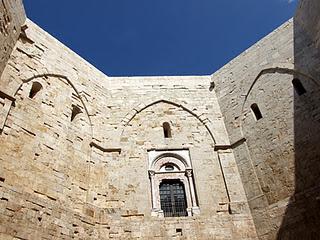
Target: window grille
(173, 199)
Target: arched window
(173, 198)
(173, 191)
(298, 87)
(36, 87)
(256, 111)
(166, 130)
(75, 111)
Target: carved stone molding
(180, 169)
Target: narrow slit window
(166, 130)
(212, 85)
(75, 111)
(256, 111)
(298, 87)
(36, 87)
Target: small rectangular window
(256, 111)
(35, 88)
(166, 130)
(298, 87)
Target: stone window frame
(183, 172)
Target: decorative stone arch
(176, 159)
(284, 69)
(287, 68)
(70, 84)
(181, 170)
(142, 106)
(34, 77)
(10, 99)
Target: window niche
(172, 185)
(256, 111)
(35, 89)
(75, 112)
(166, 130)
(298, 87)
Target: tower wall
(12, 16)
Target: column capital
(151, 173)
(189, 172)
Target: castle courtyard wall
(76, 145)
(277, 154)
(84, 174)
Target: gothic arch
(70, 84)
(282, 69)
(131, 115)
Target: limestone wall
(277, 154)
(74, 150)
(307, 37)
(264, 148)
(12, 16)
(301, 220)
(74, 142)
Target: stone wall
(12, 17)
(74, 150)
(74, 142)
(301, 219)
(264, 148)
(307, 38)
(276, 155)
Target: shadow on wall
(302, 216)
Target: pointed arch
(201, 117)
(281, 69)
(69, 83)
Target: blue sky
(159, 37)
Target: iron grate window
(173, 199)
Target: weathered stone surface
(12, 17)
(277, 161)
(75, 143)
